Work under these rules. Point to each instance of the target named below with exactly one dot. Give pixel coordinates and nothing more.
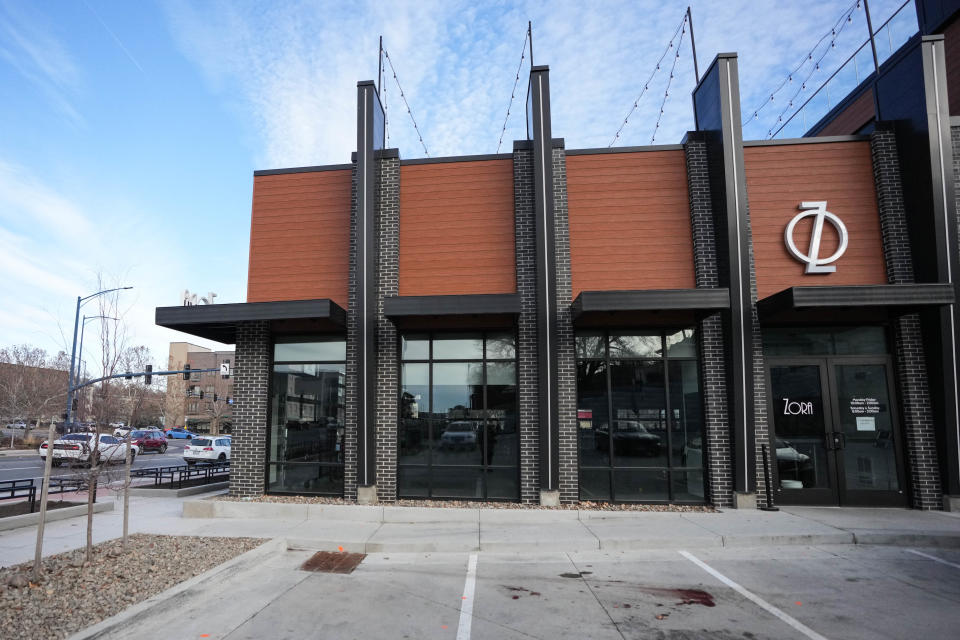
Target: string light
(513, 92)
(407, 104)
(835, 30)
(666, 93)
(680, 30)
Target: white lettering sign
(794, 408)
(816, 264)
(191, 299)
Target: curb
(18, 453)
(161, 602)
(178, 493)
(640, 544)
(32, 519)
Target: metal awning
(853, 302)
(479, 309)
(649, 306)
(219, 321)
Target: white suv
(212, 449)
(78, 447)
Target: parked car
(149, 440)
(215, 449)
(180, 432)
(79, 448)
(630, 438)
(18, 424)
(459, 434)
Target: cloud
(291, 68)
(29, 46)
(27, 203)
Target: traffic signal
(214, 397)
(186, 372)
(73, 408)
(128, 375)
(201, 394)
(147, 378)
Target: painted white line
(466, 608)
(934, 558)
(757, 600)
(20, 469)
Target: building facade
(738, 323)
(204, 403)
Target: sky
(129, 131)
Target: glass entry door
(835, 439)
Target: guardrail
(183, 473)
(26, 488)
(10, 489)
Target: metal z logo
(816, 264)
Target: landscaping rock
(152, 564)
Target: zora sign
(816, 264)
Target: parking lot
(836, 591)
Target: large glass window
(640, 417)
(305, 447)
(458, 416)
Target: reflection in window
(458, 417)
(305, 451)
(639, 417)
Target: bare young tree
(32, 384)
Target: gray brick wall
(713, 371)
(250, 387)
(526, 258)
(388, 376)
(565, 355)
(910, 363)
(761, 429)
(353, 350)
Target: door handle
(838, 440)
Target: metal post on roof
(380, 65)
(873, 43)
(693, 47)
(530, 35)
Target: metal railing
(887, 38)
(207, 473)
(26, 488)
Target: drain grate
(333, 562)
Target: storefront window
(639, 417)
(305, 447)
(458, 417)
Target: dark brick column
(353, 344)
(388, 270)
(250, 387)
(713, 370)
(761, 424)
(911, 366)
(565, 355)
(526, 257)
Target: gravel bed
(73, 595)
(472, 504)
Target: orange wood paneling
(951, 51)
(300, 237)
(457, 228)
(849, 121)
(779, 178)
(629, 221)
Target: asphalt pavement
(804, 592)
(30, 465)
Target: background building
(211, 413)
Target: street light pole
(73, 352)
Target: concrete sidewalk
(404, 529)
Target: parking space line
(757, 600)
(934, 558)
(466, 607)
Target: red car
(149, 440)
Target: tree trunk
(126, 494)
(47, 466)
